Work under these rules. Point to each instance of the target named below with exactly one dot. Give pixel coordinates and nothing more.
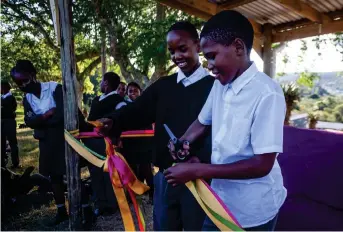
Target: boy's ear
(240, 47)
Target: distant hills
(329, 83)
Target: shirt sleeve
(205, 116)
(267, 126)
(120, 105)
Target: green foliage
(291, 92)
(22, 47)
(307, 79)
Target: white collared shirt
(6, 95)
(196, 76)
(119, 105)
(46, 100)
(247, 119)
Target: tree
(136, 32)
(292, 95)
(29, 34)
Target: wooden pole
(267, 49)
(68, 67)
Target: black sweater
(8, 107)
(106, 106)
(168, 102)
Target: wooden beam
(305, 10)
(308, 31)
(68, 68)
(267, 49)
(186, 8)
(202, 9)
(233, 4)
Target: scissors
(177, 143)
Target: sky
(330, 59)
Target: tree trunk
(160, 65)
(103, 55)
(68, 67)
(288, 113)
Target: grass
(35, 211)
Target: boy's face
(103, 85)
(121, 89)
(133, 92)
(223, 61)
(25, 81)
(184, 50)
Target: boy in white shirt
(246, 109)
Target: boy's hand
(183, 152)
(182, 173)
(49, 113)
(107, 125)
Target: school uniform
(247, 118)
(101, 183)
(175, 100)
(138, 153)
(9, 128)
(50, 132)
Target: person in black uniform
(8, 125)
(138, 151)
(175, 100)
(102, 105)
(43, 109)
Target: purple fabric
(312, 167)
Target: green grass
(20, 115)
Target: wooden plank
(202, 5)
(55, 19)
(68, 67)
(308, 31)
(267, 49)
(203, 9)
(257, 46)
(233, 4)
(186, 8)
(305, 10)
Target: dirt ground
(36, 211)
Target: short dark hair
(113, 79)
(24, 66)
(122, 82)
(228, 25)
(133, 84)
(185, 26)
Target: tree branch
(89, 68)
(88, 54)
(37, 25)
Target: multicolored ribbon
(122, 176)
(120, 172)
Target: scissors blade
(171, 135)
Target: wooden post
(267, 49)
(68, 67)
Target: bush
(315, 96)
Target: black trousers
(9, 132)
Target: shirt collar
(197, 75)
(102, 97)
(6, 95)
(238, 84)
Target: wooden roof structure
(273, 20)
